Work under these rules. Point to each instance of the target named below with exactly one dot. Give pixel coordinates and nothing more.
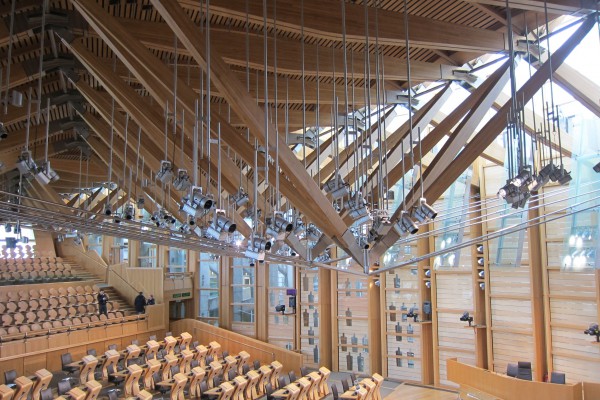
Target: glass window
(208, 284)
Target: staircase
(125, 305)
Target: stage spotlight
(466, 318)
(363, 243)
(182, 182)
(7, 227)
(46, 174)
(165, 173)
(597, 168)
(593, 330)
(220, 226)
(406, 225)
(424, 212)
(140, 203)
(3, 132)
(129, 212)
(336, 187)
(280, 308)
(107, 210)
(256, 248)
(240, 198)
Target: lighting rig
(26, 165)
(405, 225)
(278, 226)
(257, 246)
(240, 198)
(165, 173)
(336, 187)
(197, 204)
(220, 226)
(357, 209)
(182, 182)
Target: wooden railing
(480, 382)
(234, 343)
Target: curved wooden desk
(508, 388)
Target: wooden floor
(407, 392)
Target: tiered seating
(175, 365)
(37, 311)
(20, 271)
(20, 251)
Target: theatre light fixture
(165, 173)
(593, 330)
(405, 225)
(257, 246)
(220, 226)
(182, 181)
(466, 318)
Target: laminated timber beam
(144, 115)
(323, 20)
(460, 136)
(348, 154)
(489, 131)
(151, 73)
(394, 142)
(554, 6)
(247, 109)
(232, 47)
(442, 129)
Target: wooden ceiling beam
(232, 47)
(490, 131)
(557, 7)
(460, 136)
(398, 144)
(235, 93)
(324, 20)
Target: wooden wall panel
(573, 306)
(234, 343)
(455, 339)
(510, 347)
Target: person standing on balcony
(102, 301)
(140, 303)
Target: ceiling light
(26, 165)
(107, 209)
(165, 173)
(240, 198)
(140, 203)
(278, 226)
(3, 132)
(182, 182)
(405, 225)
(7, 227)
(363, 243)
(220, 226)
(196, 205)
(257, 247)
(336, 187)
(129, 212)
(597, 168)
(313, 233)
(45, 174)
(560, 175)
(357, 210)
(424, 212)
